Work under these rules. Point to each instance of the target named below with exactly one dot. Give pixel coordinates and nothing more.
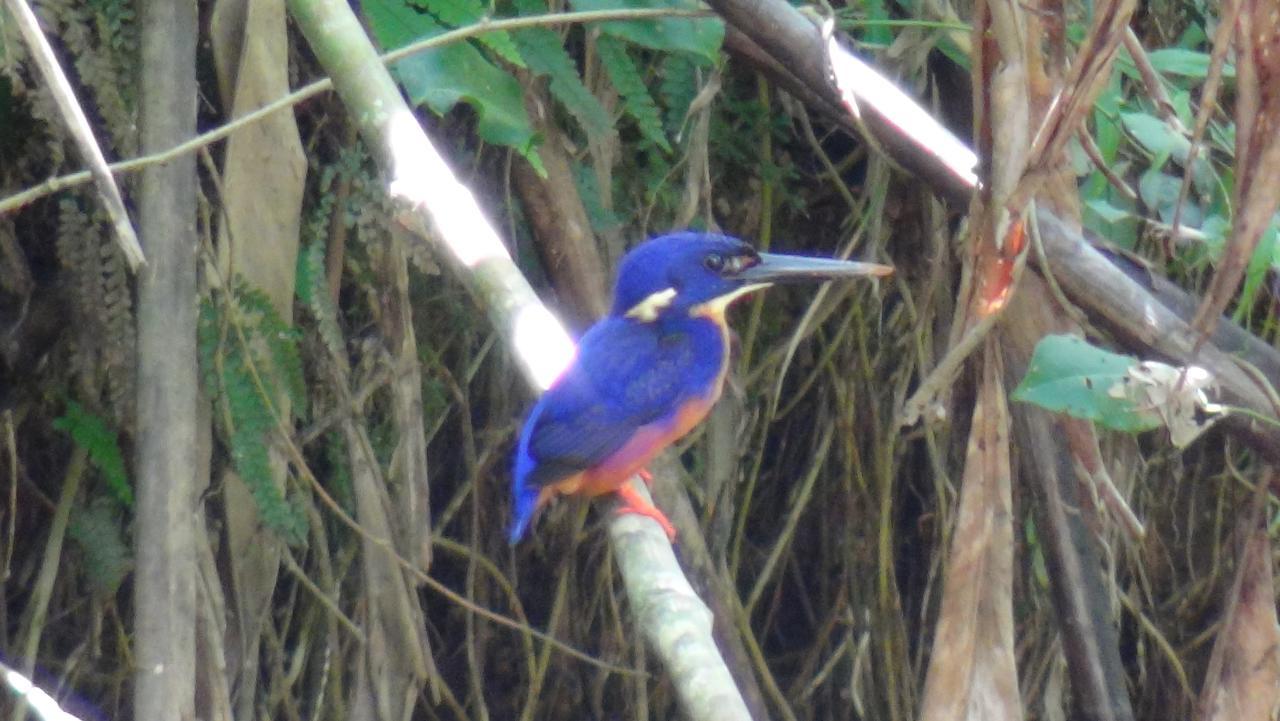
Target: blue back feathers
(628, 372)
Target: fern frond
(544, 52)
(77, 245)
(251, 453)
(313, 290)
(119, 345)
(338, 479)
(678, 89)
(602, 218)
(102, 337)
(101, 36)
(248, 358)
(636, 99)
(209, 334)
(284, 364)
(90, 432)
(457, 13)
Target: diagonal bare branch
(78, 124)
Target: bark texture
(168, 520)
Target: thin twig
(1095, 156)
(329, 604)
(42, 591)
(1151, 79)
(801, 502)
(1208, 101)
(78, 124)
(306, 92)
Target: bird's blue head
(691, 273)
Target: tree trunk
(167, 382)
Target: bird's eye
(714, 262)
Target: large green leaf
(1163, 140)
(441, 77)
(1188, 63)
(1155, 134)
(1067, 375)
(699, 36)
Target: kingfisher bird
(649, 371)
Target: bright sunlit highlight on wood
(543, 344)
(42, 703)
(860, 83)
(424, 179)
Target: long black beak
(774, 268)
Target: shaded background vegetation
(831, 521)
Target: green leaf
(1067, 375)
(698, 36)
(1110, 214)
(281, 341)
(1155, 135)
(313, 291)
(459, 13)
(678, 88)
(1215, 229)
(1163, 141)
(90, 432)
(441, 77)
(877, 33)
(1107, 133)
(544, 51)
(636, 99)
(246, 369)
(1107, 211)
(1187, 63)
(1159, 192)
(602, 219)
(1262, 261)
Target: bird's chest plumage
(687, 366)
(695, 349)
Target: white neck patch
(717, 306)
(647, 310)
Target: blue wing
(626, 375)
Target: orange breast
(648, 441)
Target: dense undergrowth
(831, 520)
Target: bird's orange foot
(633, 502)
(647, 476)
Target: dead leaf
(1176, 395)
(972, 671)
(1248, 683)
(263, 178)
